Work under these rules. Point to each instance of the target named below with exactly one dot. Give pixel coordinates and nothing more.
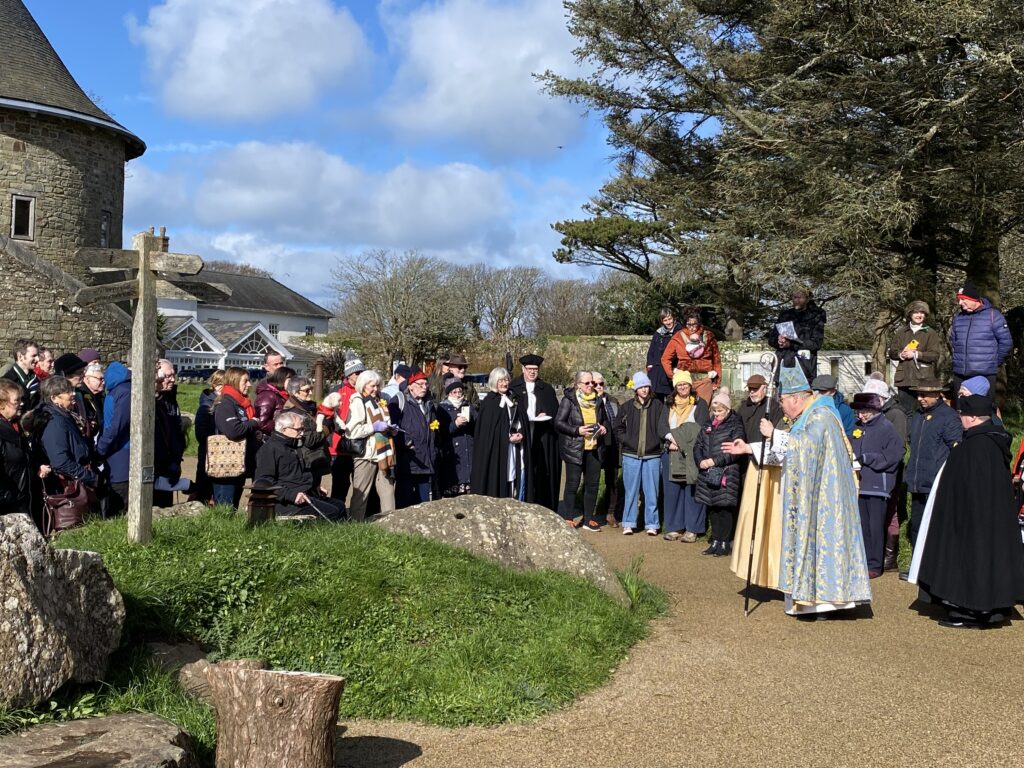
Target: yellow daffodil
(858, 433)
(434, 425)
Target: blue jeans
(635, 472)
(228, 491)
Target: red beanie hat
(417, 376)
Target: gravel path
(709, 687)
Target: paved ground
(710, 687)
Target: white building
(261, 316)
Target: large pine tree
(859, 146)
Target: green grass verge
(188, 401)
(421, 631)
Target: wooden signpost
(146, 259)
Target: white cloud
(466, 74)
(248, 59)
(303, 194)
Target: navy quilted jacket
(980, 341)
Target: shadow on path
(372, 751)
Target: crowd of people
(801, 490)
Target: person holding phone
(456, 417)
(581, 422)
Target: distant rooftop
(263, 294)
(34, 79)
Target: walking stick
(770, 362)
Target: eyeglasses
(598, 383)
(307, 390)
(586, 383)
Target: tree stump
(270, 718)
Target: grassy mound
(422, 631)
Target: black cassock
(544, 476)
(973, 556)
(494, 424)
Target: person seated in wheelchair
(280, 462)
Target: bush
(420, 630)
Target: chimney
(163, 242)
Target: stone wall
(38, 306)
(74, 171)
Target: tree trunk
(270, 718)
(983, 259)
(882, 331)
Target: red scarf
(239, 398)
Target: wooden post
(269, 718)
(318, 380)
(140, 452)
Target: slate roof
(31, 73)
(173, 322)
(262, 294)
(227, 332)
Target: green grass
(421, 631)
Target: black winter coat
(809, 324)
(279, 462)
(568, 421)
(229, 419)
(879, 449)
(709, 446)
(660, 382)
(652, 418)
(15, 472)
(456, 445)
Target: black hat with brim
(974, 405)
(531, 360)
(68, 365)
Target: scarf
(239, 398)
(588, 408)
(681, 410)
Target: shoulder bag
(67, 509)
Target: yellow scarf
(681, 410)
(588, 407)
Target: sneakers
(672, 536)
(652, 531)
(592, 526)
(689, 537)
(627, 531)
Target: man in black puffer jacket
(808, 321)
(279, 463)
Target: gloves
(380, 426)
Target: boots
(724, 548)
(712, 548)
(892, 549)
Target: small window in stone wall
(273, 328)
(23, 217)
(309, 330)
(105, 218)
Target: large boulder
(60, 615)
(517, 535)
(117, 741)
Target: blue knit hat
(976, 385)
(792, 380)
(641, 379)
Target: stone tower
(62, 162)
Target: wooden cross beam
(116, 258)
(175, 288)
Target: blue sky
(292, 133)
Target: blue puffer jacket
(932, 433)
(980, 340)
(112, 444)
(879, 449)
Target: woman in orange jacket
(694, 349)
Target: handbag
(224, 457)
(712, 477)
(352, 447)
(67, 509)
